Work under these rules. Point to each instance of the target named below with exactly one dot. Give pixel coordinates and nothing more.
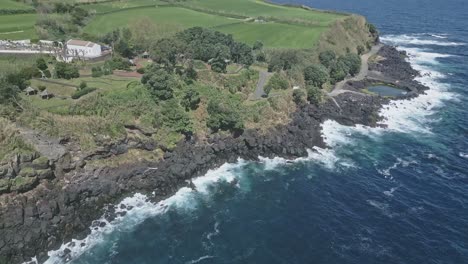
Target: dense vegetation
(199, 81)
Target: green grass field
(257, 8)
(293, 27)
(170, 16)
(121, 5)
(10, 4)
(274, 35)
(20, 26)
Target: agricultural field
(172, 17)
(274, 35)
(258, 8)
(121, 5)
(19, 26)
(13, 5)
(284, 26)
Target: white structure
(83, 49)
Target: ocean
(394, 195)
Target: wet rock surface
(68, 196)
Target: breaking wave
(420, 40)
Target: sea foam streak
(420, 40)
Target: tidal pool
(384, 90)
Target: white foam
(463, 155)
(412, 115)
(418, 39)
(142, 208)
(199, 259)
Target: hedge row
(83, 92)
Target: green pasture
(274, 35)
(10, 4)
(169, 16)
(20, 26)
(257, 8)
(121, 5)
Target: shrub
(82, 92)
(191, 99)
(41, 88)
(96, 72)
(174, 117)
(299, 96)
(314, 95)
(224, 115)
(160, 84)
(66, 70)
(316, 75)
(338, 71)
(83, 85)
(141, 70)
(360, 49)
(353, 62)
(327, 58)
(276, 82)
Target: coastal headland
(55, 189)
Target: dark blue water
(398, 195)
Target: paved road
(262, 81)
(362, 73)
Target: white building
(83, 49)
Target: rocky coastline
(66, 196)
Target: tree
(219, 64)
(174, 117)
(8, 92)
(224, 114)
(41, 64)
(327, 58)
(338, 71)
(353, 61)
(191, 99)
(66, 70)
(83, 85)
(314, 95)
(160, 84)
(284, 60)
(276, 82)
(316, 75)
(123, 48)
(258, 45)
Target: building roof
(83, 43)
(45, 93)
(30, 89)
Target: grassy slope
(19, 26)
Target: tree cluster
(225, 114)
(340, 67)
(202, 44)
(66, 70)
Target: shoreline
(76, 204)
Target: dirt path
(262, 81)
(362, 73)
